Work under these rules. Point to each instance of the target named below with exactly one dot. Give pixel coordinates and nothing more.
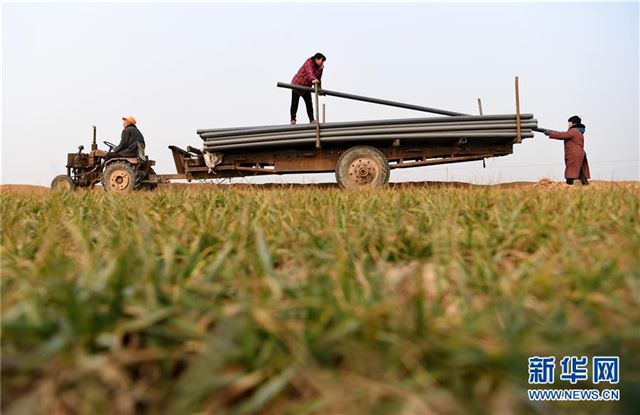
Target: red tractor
(117, 175)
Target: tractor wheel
(362, 167)
(119, 177)
(62, 182)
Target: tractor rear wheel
(119, 177)
(362, 167)
(62, 182)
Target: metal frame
(191, 166)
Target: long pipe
(390, 136)
(533, 123)
(391, 121)
(282, 128)
(489, 135)
(364, 131)
(397, 127)
(307, 142)
(428, 134)
(372, 100)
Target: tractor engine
(84, 169)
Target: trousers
(295, 100)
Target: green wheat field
(424, 299)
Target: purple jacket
(307, 73)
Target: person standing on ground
(131, 140)
(308, 74)
(575, 159)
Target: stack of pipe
(485, 129)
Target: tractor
(117, 175)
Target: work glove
(547, 132)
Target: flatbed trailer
(191, 165)
(357, 161)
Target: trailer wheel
(119, 177)
(62, 182)
(362, 167)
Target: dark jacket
(307, 73)
(575, 159)
(129, 140)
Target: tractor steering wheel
(110, 145)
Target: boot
(583, 179)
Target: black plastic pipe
(530, 123)
(364, 131)
(372, 100)
(433, 136)
(207, 133)
(310, 143)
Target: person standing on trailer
(575, 158)
(308, 74)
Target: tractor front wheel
(62, 182)
(119, 177)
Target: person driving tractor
(131, 141)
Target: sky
(181, 67)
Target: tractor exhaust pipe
(94, 145)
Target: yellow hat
(130, 119)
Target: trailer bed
(361, 153)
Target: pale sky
(181, 67)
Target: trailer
(360, 153)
